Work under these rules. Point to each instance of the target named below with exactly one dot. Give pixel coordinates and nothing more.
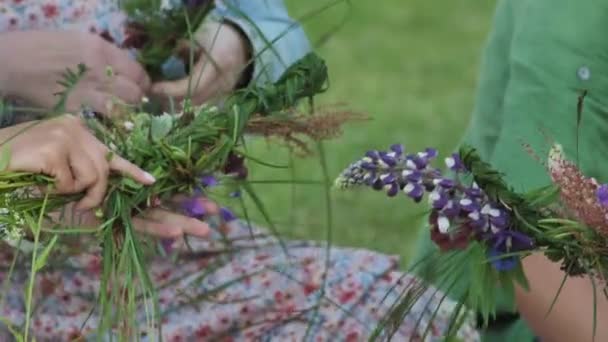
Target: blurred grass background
(410, 65)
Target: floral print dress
(245, 290)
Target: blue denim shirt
(277, 40)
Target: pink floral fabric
(239, 285)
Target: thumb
(173, 89)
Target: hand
(166, 224)
(218, 69)
(156, 222)
(64, 149)
(35, 61)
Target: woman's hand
(32, 62)
(64, 149)
(217, 71)
(156, 221)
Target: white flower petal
(465, 202)
(450, 162)
(443, 224)
(474, 216)
(486, 209)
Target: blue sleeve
(276, 39)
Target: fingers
(165, 224)
(123, 64)
(156, 229)
(96, 190)
(209, 207)
(126, 168)
(199, 83)
(65, 180)
(97, 100)
(127, 90)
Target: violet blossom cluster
(460, 213)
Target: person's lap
(251, 290)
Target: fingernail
(149, 177)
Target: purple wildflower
(193, 207)
(500, 262)
(460, 213)
(227, 215)
(508, 241)
(602, 195)
(398, 149)
(208, 181)
(454, 163)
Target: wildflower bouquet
(478, 221)
(187, 152)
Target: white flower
(450, 162)
(166, 5)
(129, 125)
(443, 224)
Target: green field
(412, 67)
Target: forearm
(7, 56)
(571, 318)
(277, 41)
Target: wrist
(10, 51)
(245, 60)
(238, 50)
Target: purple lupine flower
(602, 195)
(438, 199)
(500, 262)
(444, 183)
(474, 191)
(208, 181)
(388, 178)
(389, 159)
(451, 209)
(454, 163)
(392, 190)
(460, 212)
(193, 207)
(227, 215)
(373, 155)
(468, 205)
(415, 191)
(398, 149)
(414, 176)
(508, 241)
(478, 222)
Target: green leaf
(519, 276)
(161, 126)
(17, 335)
(41, 260)
(130, 183)
(5, 157)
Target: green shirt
(540, 55)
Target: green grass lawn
(411, 66)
